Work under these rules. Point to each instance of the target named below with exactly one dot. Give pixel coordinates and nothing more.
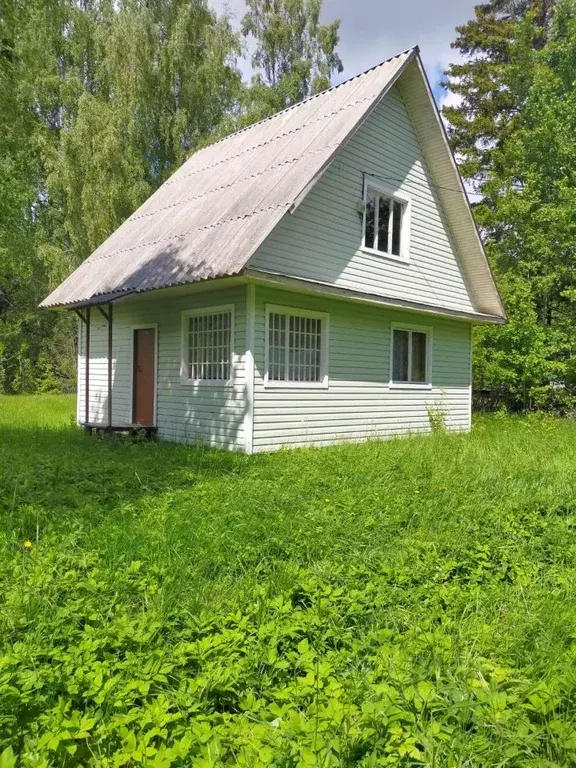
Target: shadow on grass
(71, 478)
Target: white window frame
(383, 190)
(184, 366)
(324, 317)
(429, 341)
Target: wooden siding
(203, 413)
(359, 403)
(321, 240)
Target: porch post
(87, 370)
(110, 365)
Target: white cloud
(450, 99)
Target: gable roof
(212, 214)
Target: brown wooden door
(143, 388)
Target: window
(207, 345)
(296, 346)
(410, 356)
(385, 224)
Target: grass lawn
(403, 603)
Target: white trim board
(314, 287)
(249, 368)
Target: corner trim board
(249, 385)
(87, 369)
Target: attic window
(385, 224)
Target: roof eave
(467, 209)
(196, 286)
(329, 290)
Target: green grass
(402, 603)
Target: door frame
(143, 327)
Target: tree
(484, 117)
(22, 269)
(100, 101)
(164, 78)
(294, 56)
(528, 217)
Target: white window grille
(296, 347)
(209, 345)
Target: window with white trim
(410, 356)
(296, 346)
(383, 223)
(208, 345)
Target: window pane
(277, 347)
(209, 338)
(383, 223)
(304, 348)
(400, 356)
(396, 228)
(370, 220)
(419, 357)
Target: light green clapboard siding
(359, 404)
(321, 240)
(197, 414)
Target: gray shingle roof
(211, 215)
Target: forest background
(101, 100)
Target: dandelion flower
(27, 544)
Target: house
(311, 279)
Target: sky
(374, 30)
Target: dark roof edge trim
(205, 283)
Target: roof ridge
(412, 49)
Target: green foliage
(437, 415)
(484, 118)
(514, 132)
(100, 101)
(404, 603)
(515, 358)
(294, 57)
(162, 80)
